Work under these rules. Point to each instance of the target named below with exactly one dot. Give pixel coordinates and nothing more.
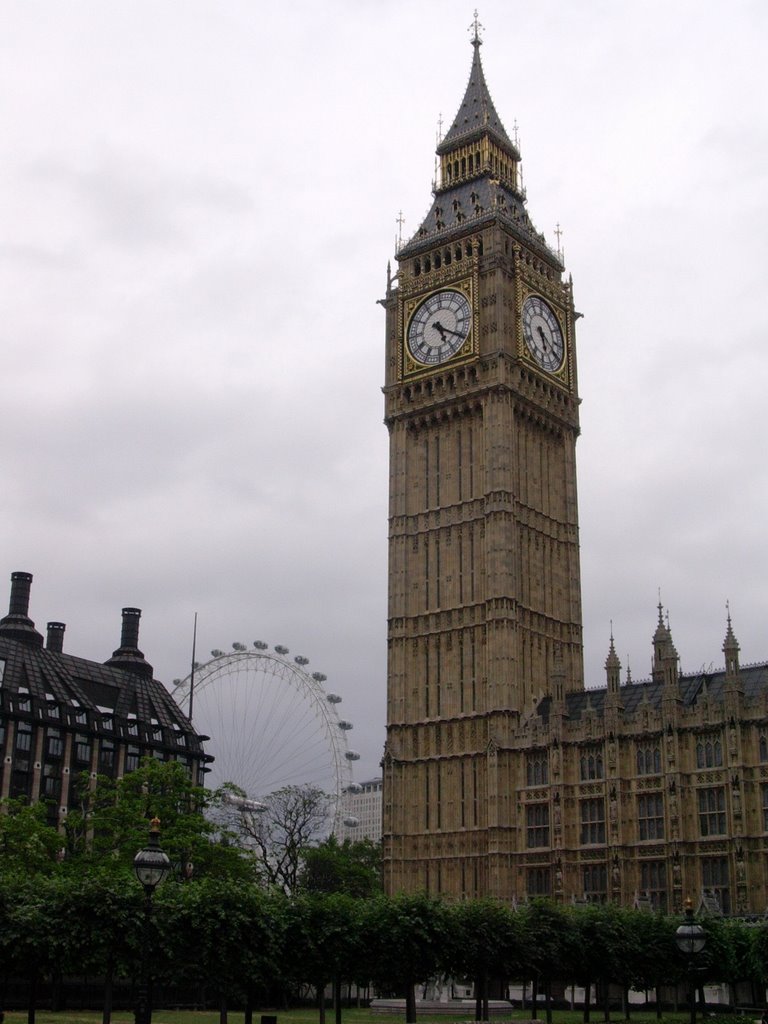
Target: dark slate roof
(477, 112)
(454, 209)
(98, 689)
(752, 678)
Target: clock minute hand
(543, 337)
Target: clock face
(439, 327)
(542, 333)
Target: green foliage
(28, 844)
(222, 933)
(112, 821)
(405, 938)
(227, 935)
(349, 867)
(324, 937)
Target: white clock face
(439, 327)
(542, 333)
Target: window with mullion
(712, 811)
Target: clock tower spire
(484, 582)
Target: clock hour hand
(442, 331)
(543, 337)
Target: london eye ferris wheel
(270, 721)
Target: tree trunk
(248, 1015)
(106, 1009)
(535, 997)
(223, 1010)
(658, 1002)
(337, 997)
(587, 1001)
(410, 1003)
(548, 999)
(321, 1003)
(32, 1002)
(606, 1000)
(625, 1001)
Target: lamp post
(691, 940)
(151, 866)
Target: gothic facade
(503, 776)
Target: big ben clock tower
(484, 583)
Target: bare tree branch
(293, 818)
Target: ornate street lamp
(691, 940)
(151, 866)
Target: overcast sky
(198, 201)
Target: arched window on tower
(591, 764)
(649, 760)
(709, 752)
(537, 770)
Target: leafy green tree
(218, 935)
(729, 953)
(32, 940)
(28, 844)
(405, 938)
(324, 939)
(548, 941)
(111, 823)
(485, 943)
(350, 867)
(656, 960)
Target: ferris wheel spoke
(271, 723)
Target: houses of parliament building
(503, 776)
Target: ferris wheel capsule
(352, 755)
(344, 724)
(351, 822)
(333, 698)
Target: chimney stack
(55, 637)
(129, 636)
(128, 656)
(21, 584)
(17, 624)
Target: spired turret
(613, 669)
(731, 652)
(479, 176)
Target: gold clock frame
(409, 368)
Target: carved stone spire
(731, 651)
(613, 669)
